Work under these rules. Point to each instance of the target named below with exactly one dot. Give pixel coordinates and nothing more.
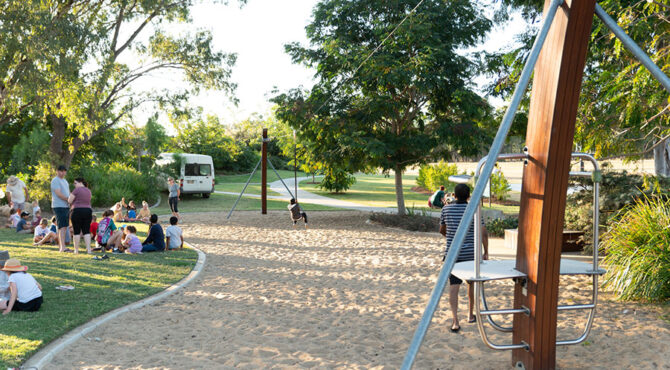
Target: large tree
(97, 55)
(408, 103)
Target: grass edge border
(44, 356)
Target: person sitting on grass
(297, 213)
(117, 240)
(37, 218)
(36, 207)
(26, 292)
(14, 218)
(43, 234)
(155, 241)
(173, 235)
(118, 213)
(131, 243)
(145, 213)
(106, 236)
(24, 226)
(94, 225)
(5, 293)
(132, 212)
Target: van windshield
(197, 169)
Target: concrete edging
(44, 356)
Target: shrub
(497, 226)
(433, 176)
(617, 190)
(412, 221)
(500, 187)
(638, 251)
(336, 180)
(110, 182)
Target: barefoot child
(131, 244)
(26, 292)
(297, 213)
(43, 234)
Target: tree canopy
(408, 103)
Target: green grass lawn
(236, 187)
(100, 286)
(224, 202)
(222, 179)
(379, 191)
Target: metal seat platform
(505, 269)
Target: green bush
(413, 221)
(497, 226)
(617, 190)
(432, 176)
(336, 180)
(500, 187)
(637, 248)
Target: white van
(196, 174)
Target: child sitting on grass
(26, 292)
(145, 213)
(24, 226)
(131, 244)
(43, 234)
(14, 218)
(132, 212)
(37, 218)
(297, 213)
(173, 235)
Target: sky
(257, 33)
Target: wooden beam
(551, 127)
(264, 173)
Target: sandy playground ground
(344, 294)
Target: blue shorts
(62, 217)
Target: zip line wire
(370, 55)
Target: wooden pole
(264, 173)
(551, 127)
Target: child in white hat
(26, 292)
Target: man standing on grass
(17, 193)
(450, 218)
(60, 191)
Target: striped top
(451, 216)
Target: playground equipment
(264, 161)
(560, 54)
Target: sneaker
(104, 257)
(116, 251)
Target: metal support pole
(295, 167)
(264, 173)
(496, 147)
(282, 180)
(637, 52)
(244, 189)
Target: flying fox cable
(411, 12)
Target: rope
(370, 55)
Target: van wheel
(205, 195)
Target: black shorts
(32, 305)
(62, 217)
(453, 280)
(81, 221)
(172, 201)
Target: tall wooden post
(551, 127)
(264, 173)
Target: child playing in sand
(173, 235)
(297, 213)
(24, 226)
(43, 234)
(26, 292)
(145, 213)
(131, 244)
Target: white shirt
(174, 233)
(18, 195)
(40, 231)
(26, 287)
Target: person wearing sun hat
(26, 292)
(4, 283)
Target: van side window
(197, 169)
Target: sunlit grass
(100, 286)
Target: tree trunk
(399, 195)
(662, 159)
(59, 155)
